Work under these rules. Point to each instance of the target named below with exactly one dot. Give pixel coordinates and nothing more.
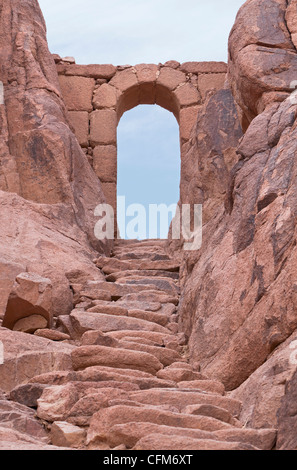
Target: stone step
(139, 340)
(111, 375)
(151, 296)
(141, 243)
(142, 255)
(155, 442)
(159, 318)
(209, 386)
(157, 338)
(183, 398)
(103, 421)
(130, 433)
(64, 434)
(181, 365)
(141, 305)
(141, 248)
(21, 419)
(97, 289)
(109, 308)
(88, 356)
(105, 377)
(264, 439)
(83, 399)
(141, 273)
(111, 265)
(174, 346)
(213, 411)
(96, 338)
(83, 321)
(164, 355)
(179, 375)
(158, 283)
(91, 374)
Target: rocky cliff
(238, 303)
(141, 345)
(48, 190)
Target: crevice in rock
(266, 201)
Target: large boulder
(262, 55)
(8, 272)
(263, 392)
(42, 239)
(31, 295)
(26, 356)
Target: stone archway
(98, 95)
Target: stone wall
(98, 95)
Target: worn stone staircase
(131, 386)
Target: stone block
(80, 122)
(105, 97)
(204, 67)
(171, 78)
(125, 79)
(105, 163)
(187, 95)
(188, 118)
(77, 92)
(210, 81)
(103, 127)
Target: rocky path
(130, 386)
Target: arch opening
(148, 171)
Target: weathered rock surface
(262, 55)
(64, 434)
(136, 349)
(83, 322)
(103, 421)
(48, 191)
(287, 416)
(42, 160)
(88, 356)
(155, 442)
(26, 356)
(248, 250)
(30, 299)
(261, 394)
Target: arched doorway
(143, 84)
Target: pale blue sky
(142, 31)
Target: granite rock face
(48, 190)
(287, 439)
(149, 347)
(246, 271)
(238, 300)
(41, 159)
(262, 55)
